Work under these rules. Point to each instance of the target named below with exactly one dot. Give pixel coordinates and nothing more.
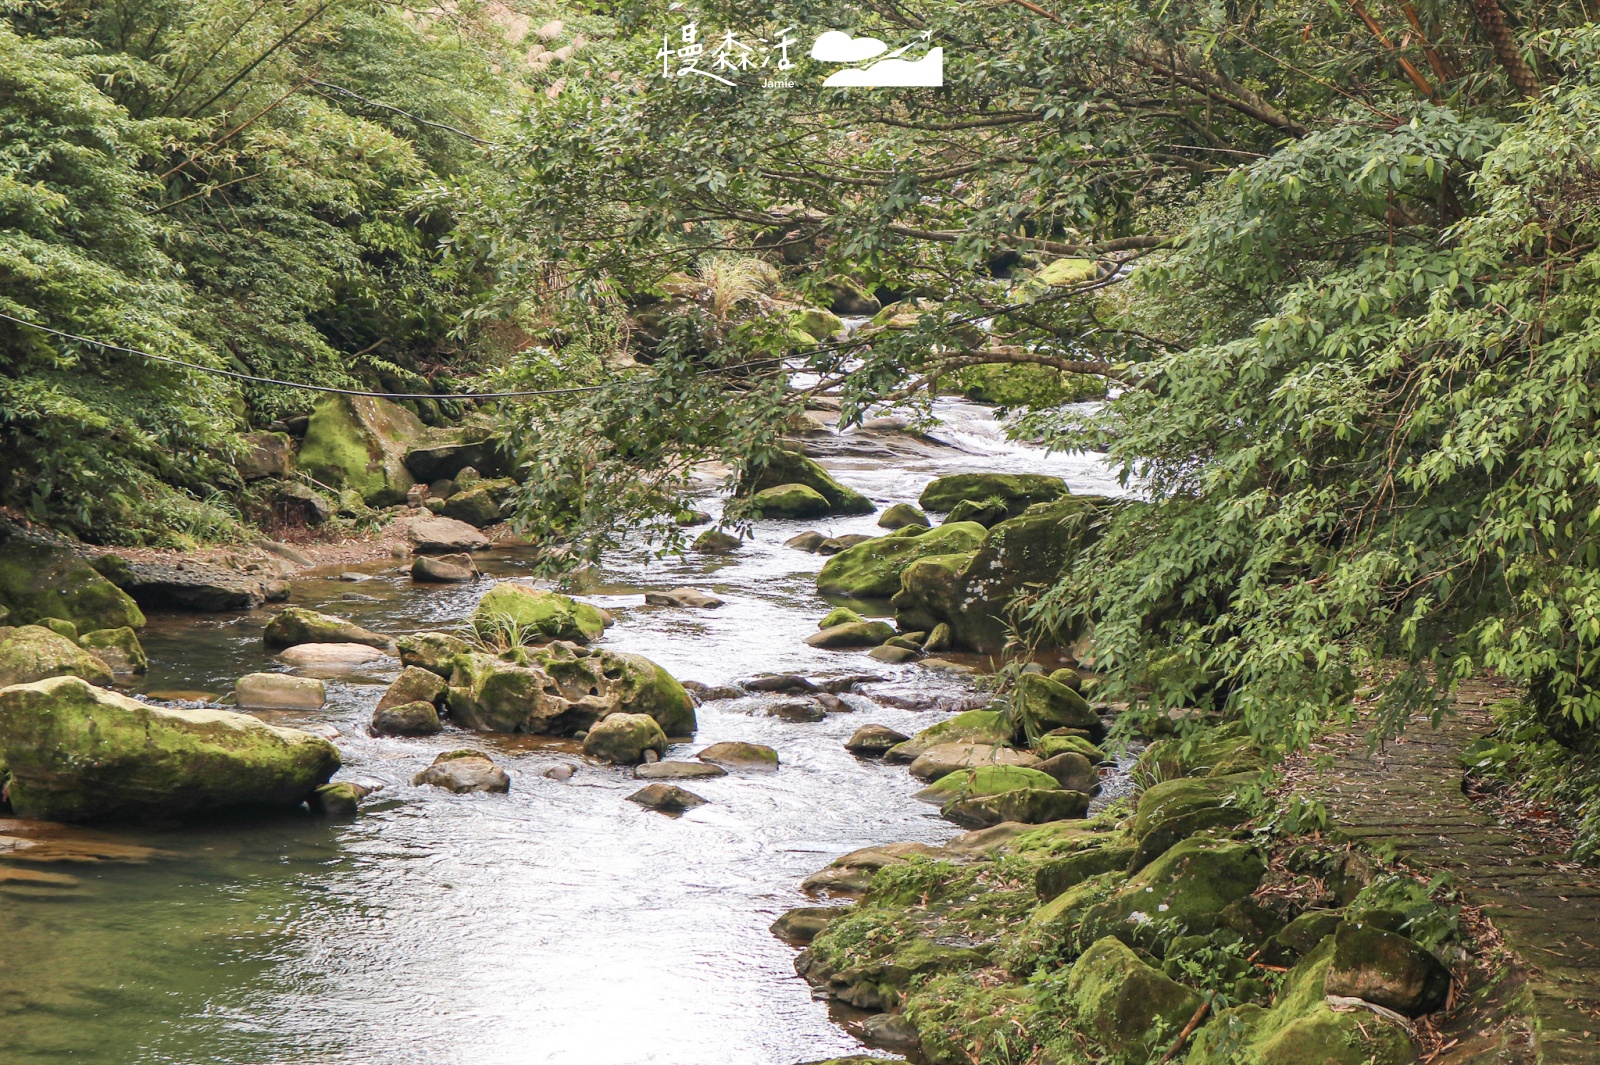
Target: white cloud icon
(927, 72)
(837, 47)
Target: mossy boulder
(791, 467)
(1028, 806)
(294, 625)
(40, 581)
(118, 648)
(442, 453)
(1123, 1004)
(1073, 772)
(871, 570)
(65, 629)
(969, 726)
(717, 542)
(1221, 751)
(78, 753)
(413, 684)
(1021, 490)
(624, 738)
(1388, 969)
(1188, 887)
(562, 688)
(32, 652)
(1051, 744)
(484, 504)
(984, 780)
(840, 615)
(817, 323)
(901, 515)
(434, 651)
(789, 501)
(360, 442)
(1056, 876)
(1040, 704)
(1177, 809)
(846, 295)
(538, 614)
(419, 718)
(930, 591)
(852, 634)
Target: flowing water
(558, 923)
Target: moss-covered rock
(717, 542)
(1186, 888)
(789, 501)
(740, 755)
(1040, 704)
(930, 591)
(484, 504)
(1388, 969)
(1221, 751)
(1124, 1005)
(434, 651)
(1020, 489)
(1028, 806)
(419, 718)
(624, 738)
(1056, 876)
(32, 652)
(984, 780)
(852, 634)
(840, 615)
(360, 442)
(537, 614)
(77, 752)
(294, 625)
(40, 581)
(118, 648)
(1072, 771)
(900, 516)
(872, 570)
(816, 322)
(64, 629)
(946, 758)
(1051, 744)
(412, 685)
(1176, 809)
(791, 467)
(969, 726)
(561, 688)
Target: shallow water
(559, 923)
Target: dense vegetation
(1337, 258)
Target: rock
(40, 580)
(562, 688)
(970, 726)
(1072, 771)
(817, 323)
(191, 585)
(834, 544)
(871, 570)
(623, 739)
(852, 634)
(464, 771)
(339, 800)
(947, 758)
(440, 454)
(79, 753)
(361, 442)
(778, 682)
(539, 615)
(670, 770)
(1030, 806)
(434, 569)
(31, 653)
(300, 504)
(797, 710)
(437, 536)
(806, 541)
(790, 467)
(988, 514)
(1039, 704)
(789, 501)
(332, 656)
(740, 755)
(804, 923)
(1060, 742)
(890, 1031)
(717, 542)
(1176, 809)
(1058, 875)
(1019, 490)
(65, 629)
(940, 639)
(873, 741)
(847, 296)
(296, 625)
(1300, 936)
(893, 655)
(1387, 969)
(684, 597)
(561, 772)
(930, 589)
(264, 455)
(278, 691)
(296, 559)
(412, 685)
(984, 780)
(840, 615)
(119, 649)
(1124, 1004)
(1188, 887)
(691, 517)
(901, 515)
(418, 718)
(433, 651)
(668, 798)
(482, 504)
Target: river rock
(873, 741)
(893, 654)
(30, 653)
(278, 691)
(871, 570)
(668, 798)
(300, 504)
(984, 780)
(483, 504)
(442, 536)
(740, 755)
(1387, 969)
(1041, 704)
(540, 615)
(684, 597)
(890, 1031)
(1186, 888)
(803, 711)
(901, 515)
(791, 467)
(949, 758)
(835, 544)
(295, 625)
(1120, 1000)
(436, 569)
(191, 585)
(840, 615)
(264, 455)
(970, 726)
(65, 629)
(433, 651)
(623, 739)
(1015, 490)
(670, 770)
(341, 799)
(42, 580)
(79, 753)
(419, 718)
(464, 771)
(806, 541)
(332, 656)
(413, 684)
(119, 649)
(1030, 806)
(443, 453)
(717, 542)
(789, 501)
(852, 634)
(1072, 771)
(360, 442)
(804, 923)
(792, 683)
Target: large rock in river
(537, 614)
(190, 585)
(1017, 491)
(443, 536)
(790, 467)
(33, 652)
(40, 580)
(79, 753)
(871, 570)
(296, 625)
(624, 738)
(360, 442)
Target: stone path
(1409, 797)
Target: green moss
(42, 581)
(969, 726)
(1026, 385)
(930, 591)
(1020, 489)
(359, 442)
(1060, 875)
(789, 501)
(433, 651)
(840, 615)
(118, 648)
(1029, 806)
(295, 625)
(33, 652)
(543, 615)
(817, 323)
(1184, 890)
(65, 629)
(790, 467)
(1040, 704)
(984, 780)
(1049, 746)
(1123, 1004)
(1176, 809)
(871, 570)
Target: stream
(559, 923)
